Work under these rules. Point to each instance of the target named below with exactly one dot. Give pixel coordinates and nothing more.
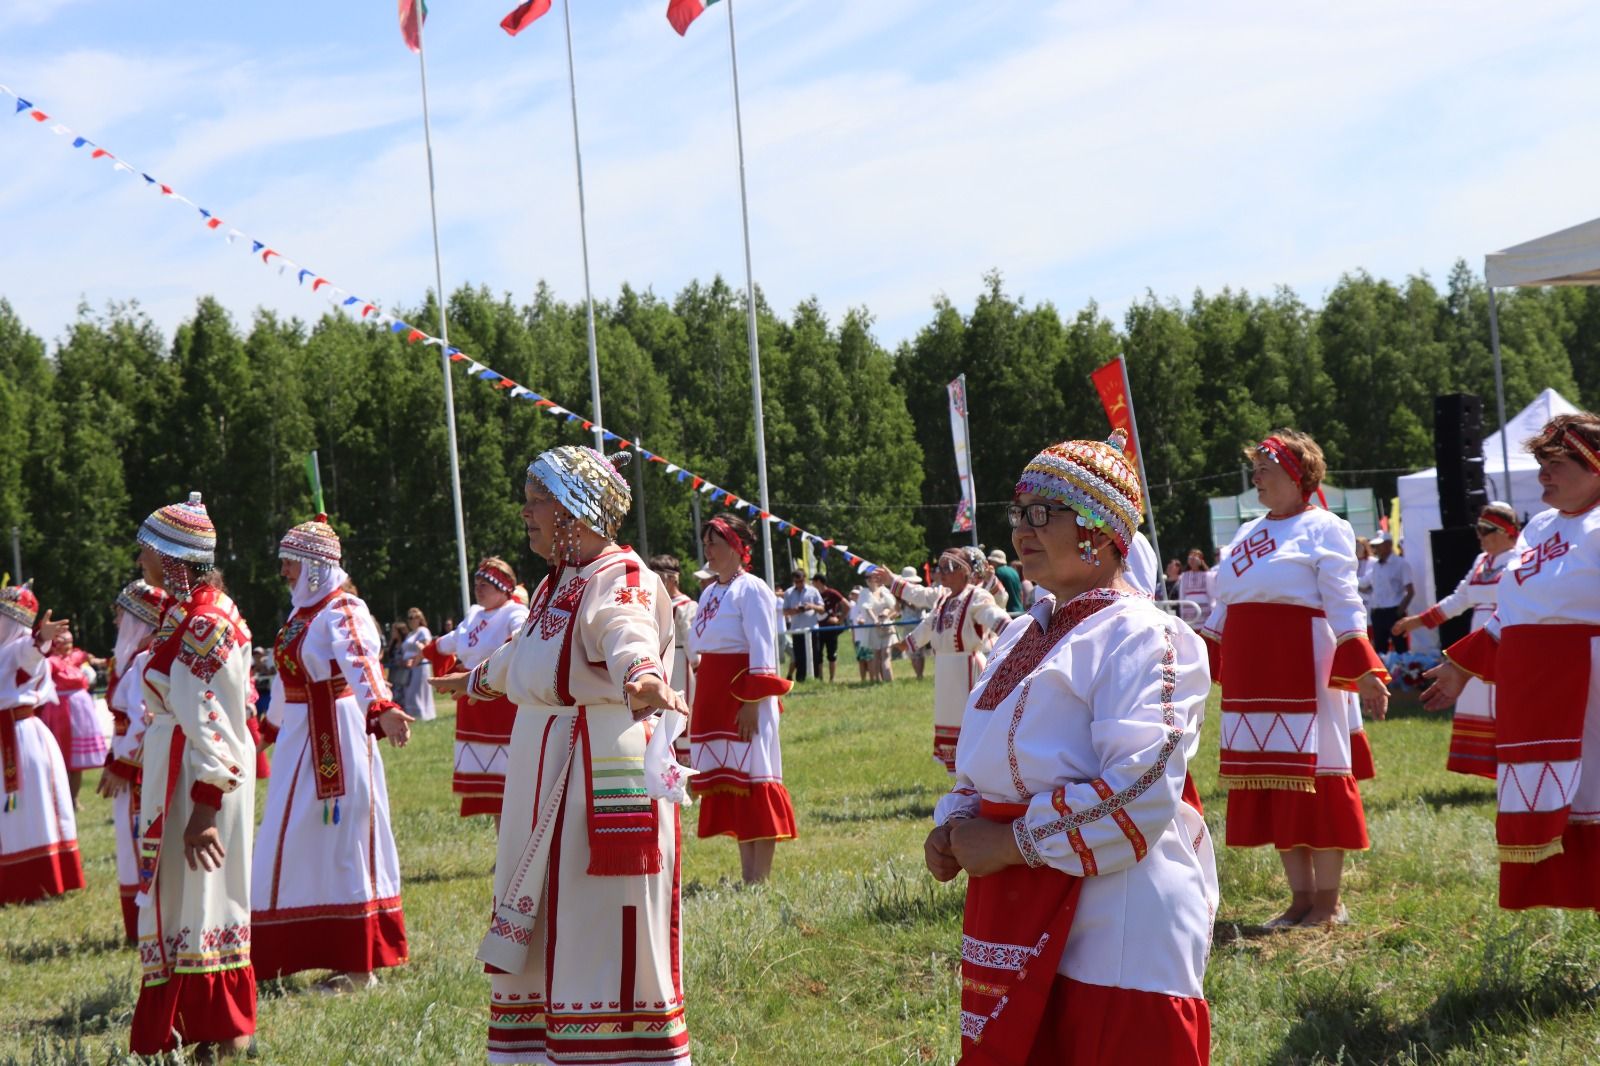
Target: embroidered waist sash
(1014, 930)
(1541, 675)
(300, 692)
(1269, 697)
(10, 764)
(327, 754)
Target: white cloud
(895, 152)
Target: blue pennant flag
(571, 417)
(717, 494)
(683, 475)
(255, 247)
(148, 180)
(398, 326)
(23, 105)
(79, 142)
(352, 300)
(303, 274)
(606, 434)
(644, 453)
(490, 375)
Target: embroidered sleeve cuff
(210, 795)
(478, 686)
(1030, 854)
(1354, 659)
(1475, 653)
(1433, 618)
(128, 771)
(642, 666)
(374, 710)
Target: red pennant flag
(524, 15)
(682, 12)
(698, 482)
(413, 13)
(414, 336)
(1111, 384)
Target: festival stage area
(849, 955)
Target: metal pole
(16, 555)
(750, 314)
(638, 495)
(699, 545)
(1149, 504)
(1500, 397)
(583, 236)
(444, 351)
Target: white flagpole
(750, 314)
(444, 335)
(583, 236)
(1149, 504)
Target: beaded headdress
(182, 531)
(586, 483)
(143, 601)
(311, 542)
(19, 603)
(1095, 479)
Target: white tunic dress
(127, 755)
(482, 732)
(580, 843)
(194, 925)
(740, 617)
(38, 831)
(326, 886)
(958, 628)
(1472, 734)
(1096, 740)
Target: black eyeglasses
(1036, 514)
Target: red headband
(722, 529)
(1500, 522)
(1574, 442)
(496, 577)
(957, 556)
(1279, 453)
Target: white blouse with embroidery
(1096, 740)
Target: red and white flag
(524, 15)
(413, 13)
(682, 12)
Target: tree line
(114, 419)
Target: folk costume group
(1068, 732)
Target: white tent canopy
(1419, 492)
(1569, 257)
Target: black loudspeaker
(1454, 551)
(1458, 456)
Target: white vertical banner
(967, 509)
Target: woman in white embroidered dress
(959, 627)
(483, 727)
(734, 742)
(1288, 640)
(584, 945)
(1092, 884)
(198, 801)
(138, 611)
(326, 888)
(38, 830)
(1472, 731)
(1541, 651)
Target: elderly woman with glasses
(1288, 638)
(1472, 731)
(959, 628)
(1091, 879)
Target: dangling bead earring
(1086, 549)
(566, 540)
(314, 579)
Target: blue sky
(897, 149)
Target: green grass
(851, 950)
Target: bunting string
(368, 311)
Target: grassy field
(850, 953)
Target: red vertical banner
(1112, 384)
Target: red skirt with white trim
(345, 938)
(193, 1008)
(1570, 880)
(1361, 764)
(763, 813)
(42, 872)
(1091, 1025)
(1329, 819)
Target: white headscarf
(11, 629)
(131, 634)
(316, 580)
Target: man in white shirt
(802, 610)
(1392, 590)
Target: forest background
(114, 419)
